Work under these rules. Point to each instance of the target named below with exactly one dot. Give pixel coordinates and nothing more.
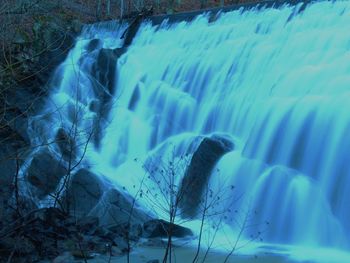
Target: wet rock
(104, 71)
(104, 78)
(94, 44)
(134, 98)
(198, 172)
(83, 193)
(88, 224)
(66, 144)
(45, 173)
(115, 207)
(161, 228)
(94, 106)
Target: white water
(276, 81)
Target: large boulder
(83, 193)
(160, 228)
(197, 175)
(116, 208)
(45, 173)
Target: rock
(88, 224)
(83, 193)
(79, 253)
(94, 44)
(8, 172)
(127, 231)
(153, 261)
(77, 26)
(52, 215)
(66, 144)
(24, 203)
(114, 208)
(97, 244)
(134, 98)
(104, 70)
(18, 124)
(198, 172)
(161, 228)
(64, 258)
(103, 73)
(132, 29)
(60, 43)
(45, 173)
(120, 243)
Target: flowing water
(275, 80)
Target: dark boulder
(45, 173)
(116, 208)
(94, 44)
(83, 193)
(66, 144)
(197, 175)
(160, 228)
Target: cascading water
(276, 80)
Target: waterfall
(275, 80)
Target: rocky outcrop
(45, 173)
(160, 228)
(66, 145)
(90, 195)
(104, 75)
(197, 175)
(116, 208)
(83, 193)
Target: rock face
(103, 73)
(197, 175)
(66, 144)
(161, 228)
(8, 171)
(115, 208)
(83, 193)
(45, 173)
(103, 70)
